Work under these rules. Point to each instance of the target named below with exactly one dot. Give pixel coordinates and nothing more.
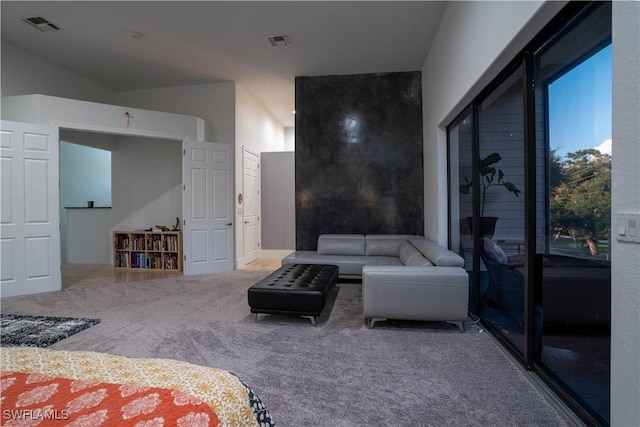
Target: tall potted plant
(488, 172)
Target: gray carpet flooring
(338, 373)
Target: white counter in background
(89, 235)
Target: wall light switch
(628, 227)
(622, 226)
(633, 228)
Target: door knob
(229, 224)
(246, 222)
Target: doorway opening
(134, 183)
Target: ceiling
(186, 43)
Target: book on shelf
(170, 262)
(147, 250)
(122, 242)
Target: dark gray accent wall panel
(358, 157)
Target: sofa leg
(460, 325)
(312, 318)
(373, 320)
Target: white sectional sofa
(403, 276)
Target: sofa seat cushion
(383, 260)
(341, 244)
(348, 265)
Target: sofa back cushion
(384, 244)
(409, 255)
(436, 253)
(341, 244)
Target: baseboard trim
(239, 263)
(276, 253)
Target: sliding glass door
(530, 171)
(573, 90)
(501, 232)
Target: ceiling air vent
(280, 41)
(41, 24)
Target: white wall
(474, 41)
(85, 174)
(290, 139)
(89, 238)
(146, 183)
(257, 131)
(214, 103)
(255, 128)
(99, 117)
(625, 197)
(24, 73)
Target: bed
(93, 389)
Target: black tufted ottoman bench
(300, 289)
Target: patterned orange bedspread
(230, 401)
(32, 399)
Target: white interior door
(29, 217)
(251, 191)
(207, 206)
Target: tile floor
(84, 275)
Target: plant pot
(487, 225)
